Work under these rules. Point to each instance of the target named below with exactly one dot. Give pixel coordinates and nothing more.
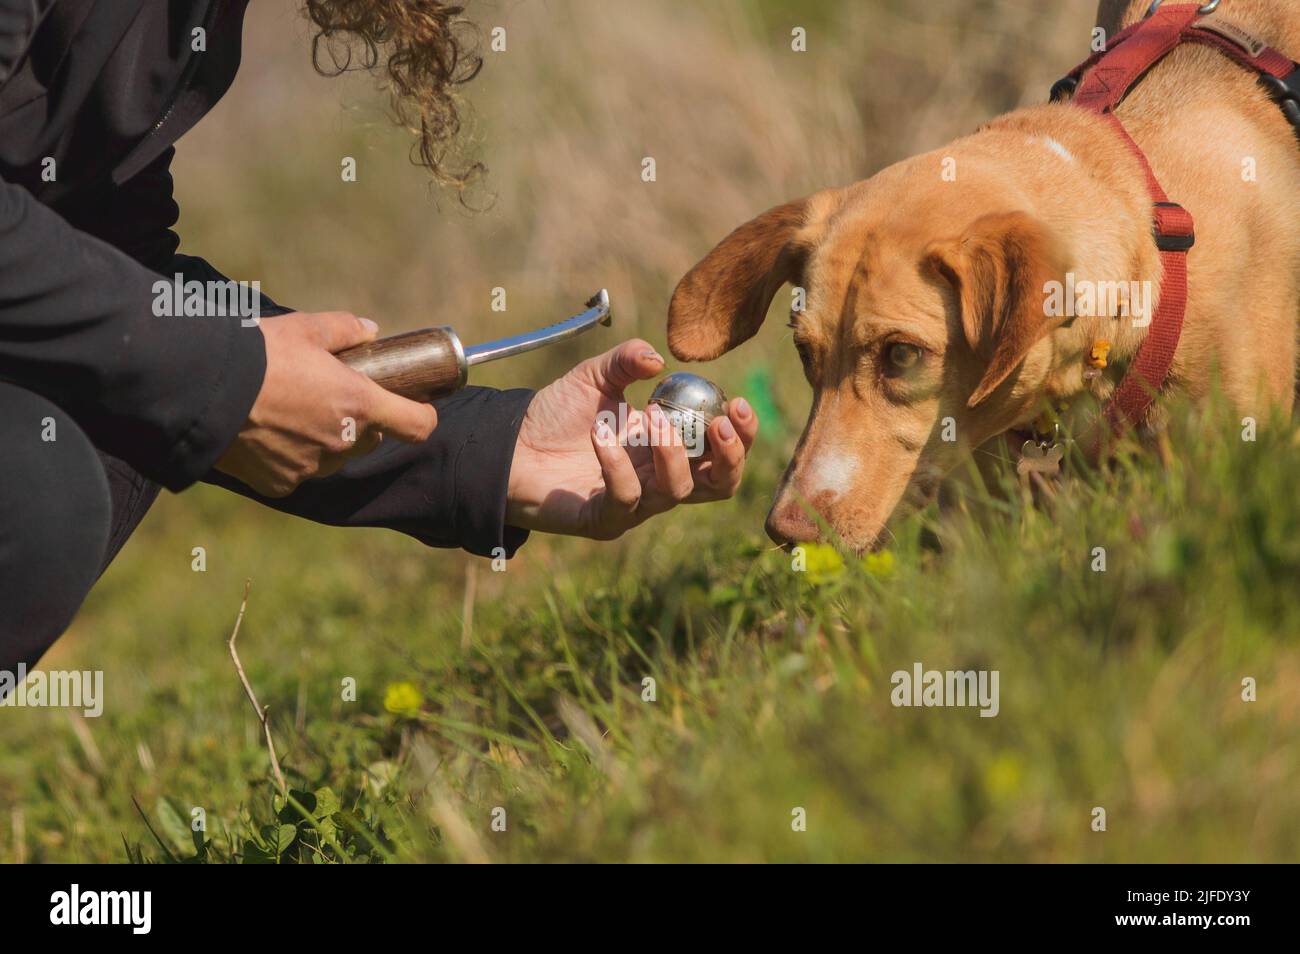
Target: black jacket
(92, 95)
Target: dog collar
(1099, 85)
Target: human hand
(314, 413)
(568, 476)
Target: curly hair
(422, 50)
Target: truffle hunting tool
(432, 363)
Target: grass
(1120, 690)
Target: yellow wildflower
(822, 563)
(403, 699)
(879, 564)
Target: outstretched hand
(574, 474)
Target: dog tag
(1252, 44)
(1038, 458)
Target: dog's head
(917, 335)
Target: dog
(925, 286)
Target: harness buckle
(1282, 89)
(1286, 93)
(1205, 10)
(1173, 228)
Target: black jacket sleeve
(166, 395)
(449, 491)
(77, 324)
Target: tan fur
(954, 268)
(998, 269)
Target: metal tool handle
(420, 365)
(431, 363)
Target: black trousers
(65, 511)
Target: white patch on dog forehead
(832, 472)
(1053, 145)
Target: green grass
(1119, 689)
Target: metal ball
(690, 402)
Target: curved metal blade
(597, 313)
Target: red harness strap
(1099, 84)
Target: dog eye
(901, 357)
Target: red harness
(1110, 75)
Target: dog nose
(787, 524)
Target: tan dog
(926, 291)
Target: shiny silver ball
(690, 402)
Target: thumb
(611, 372)
(337, 331)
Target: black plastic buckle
(1173, 232)
(1286, 93)
(1064, 88)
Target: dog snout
(788, 524)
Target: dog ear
(722, 301)
(999, 269)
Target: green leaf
(174, 827)
(327, 803)
(284, 837)
(255, 854)
(290, 813)
(328, 830)
(278, 838)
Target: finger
(673, 479)
(745, 420)
(611, 372)
(336, 331)
(622, 486)
(331, 464)
(637, 432)
(728, 460)
(407, 420)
